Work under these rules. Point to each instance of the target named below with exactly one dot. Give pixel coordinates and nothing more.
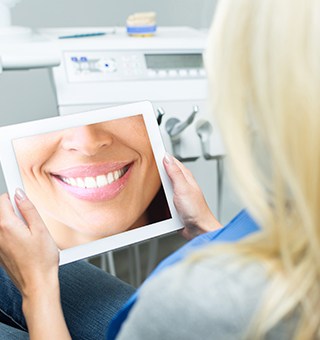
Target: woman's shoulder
(209, 297)
(234, 270)
(230, 285)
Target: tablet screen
(96, 179)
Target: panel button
(202, 72)
(107, 65)
(162, 73)
(173, 73)
(183, 73)
(193, 73)
(152, 73)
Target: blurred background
(28, 95)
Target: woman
(83, 179)
(263, 67)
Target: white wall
(45, 13)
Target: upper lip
(90, 170)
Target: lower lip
(105, 193)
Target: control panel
(95, 66)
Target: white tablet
(96, 177)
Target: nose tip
(87, 140)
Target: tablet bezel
(13, 178)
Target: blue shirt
(240, 226)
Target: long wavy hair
(263, 64)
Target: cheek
(151, 171)
(31, 159)
(146, 153)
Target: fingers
(177, 172)
(7, 214)
(174, 171)
(28, 210)
(186, 172)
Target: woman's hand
(31, 258)
(27, 251)
(189, 200)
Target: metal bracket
(161, 113)
(174, 128)
(204, 130)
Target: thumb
(28, 210)
(175, 173)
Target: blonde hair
(263, 64)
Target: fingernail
(20, 194)
(168, 158)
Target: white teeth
(117, 175)
(110, 177)
(66, 180)
(101, 181)
(80, 182)
(94, 182)
(90, 182)
(72, 181)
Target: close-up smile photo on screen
(96, 177)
